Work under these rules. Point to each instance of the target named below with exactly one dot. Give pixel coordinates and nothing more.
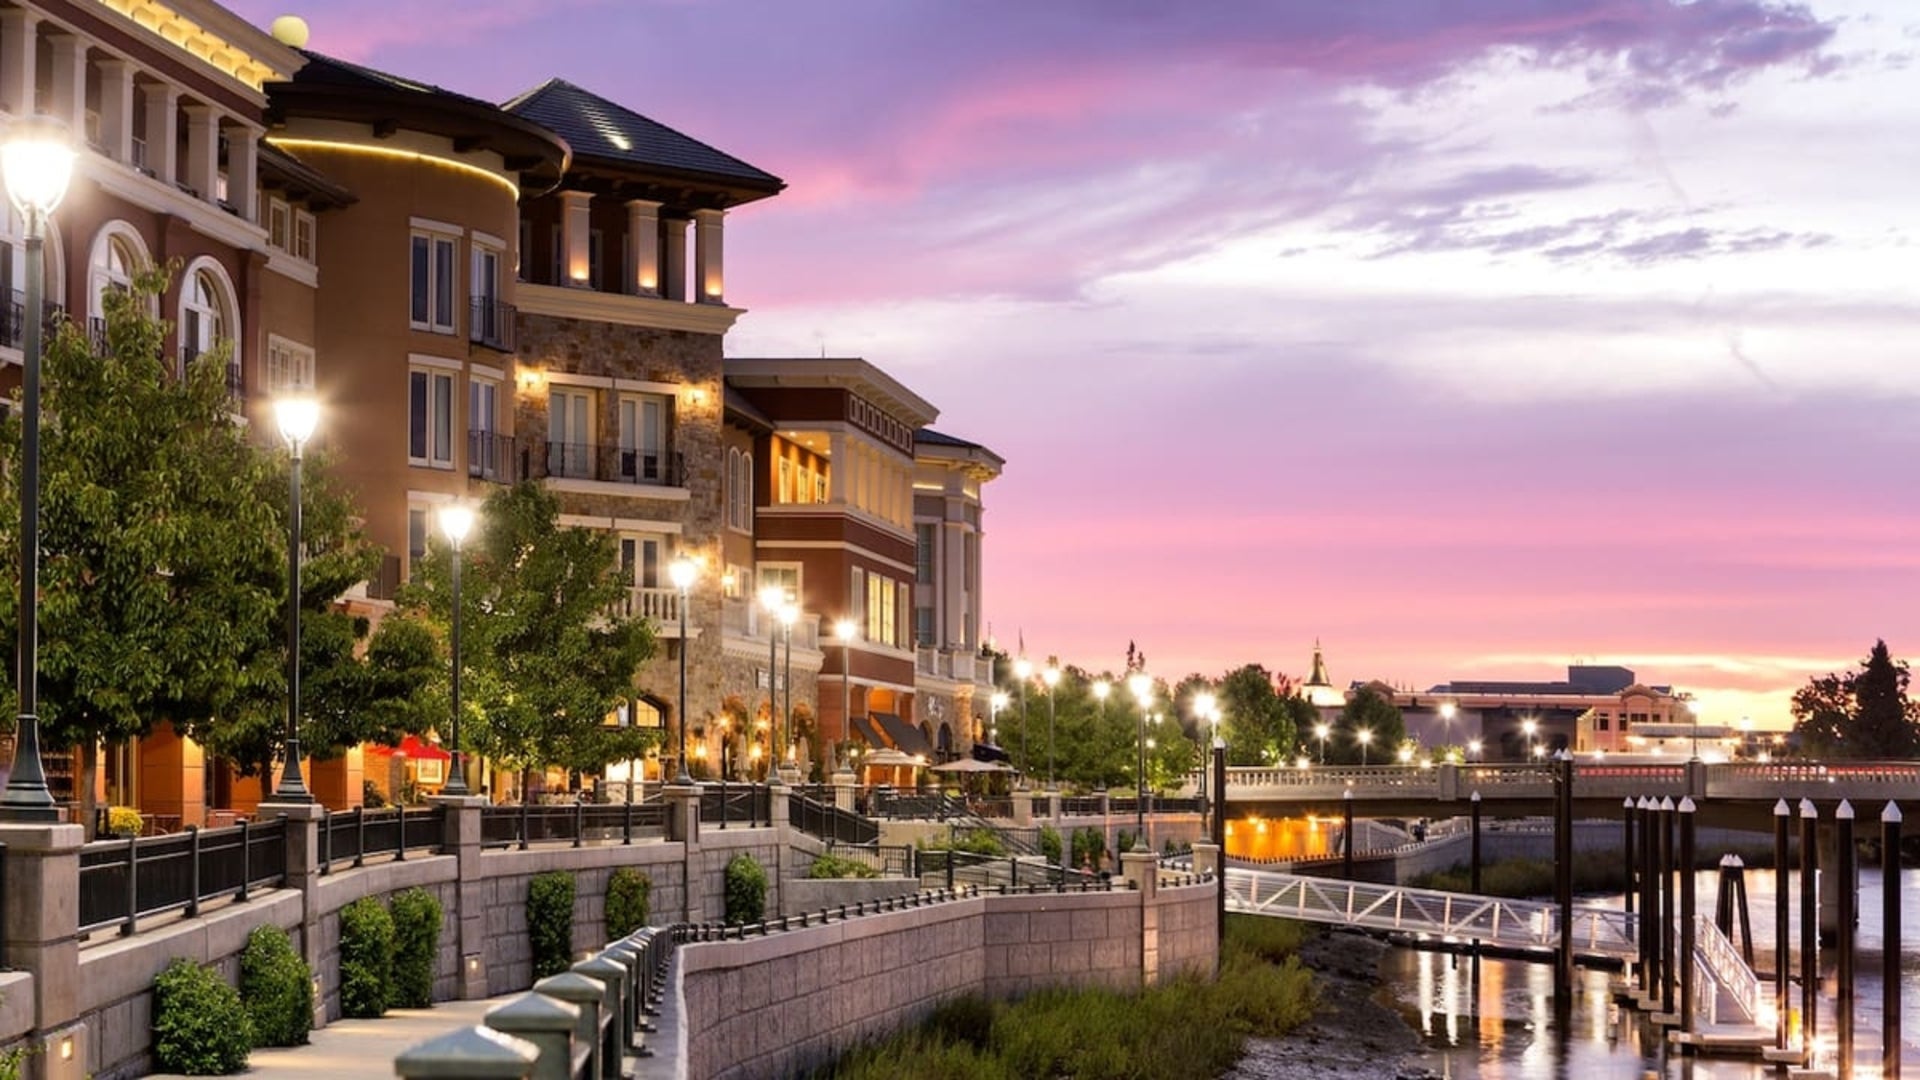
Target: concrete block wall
(1186, 932)
(435, 874)
(507, 875)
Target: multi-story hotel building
(484, 294)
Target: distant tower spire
(1319, 675)
(1318, 689)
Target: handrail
(1723, 964)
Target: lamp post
(37, 160)
(995, 702)
(297, 417)
(1202, 707)
(1693, 720)
(1142, 686)
(1529, 726)
(456, 520)
(1022, 671)
(1448, 710)
(1363, 736)
(681, 572)
(1321, 731)
(772, 597)
(1474, 746)
(845, 629)
(1051, 677)
(789, 612)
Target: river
(1501, 1024)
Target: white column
(643, 247)
(576, 239)
(839, 468)
(203, 150)
(950, 578)
(116, 109)
(69, 100)
(18, 29)
(163, 131)
(243, 170)
(709, 272)
(673, 260)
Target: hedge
(277, 987)
(199, 1026)
(416, 947)
(629, 901)
(366, 957)
(550, 922)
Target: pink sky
(1471, 338)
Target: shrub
(833, 866)
(629, 901)
(1123, 841)
(123, 821)
(366, 957)
(1050, 844)
(371, 796)
(277, 986)
(1089, 848)
(199, 1026)
(550, 922)
(416, 949)
(746, 891)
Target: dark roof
(608, 132)
(905, 737)
(300, 180)
(864, 729)
(936, 438)
(739, 408)
(328, 88)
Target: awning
(971, 765)
(863, 728)
(904, 736)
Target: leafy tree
(164, 529)
(1367, 710)
(1859, 714)
(1259, 724)
(546, 655)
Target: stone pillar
(1023, 808)
(547, 1023)
(243, 171)
(673, 259)
(469, 1053)
(1206, 859)
(463, 839)
(1449, 781)
(709, 273)
(18, 54)
(683, 827)
(1141, 869)
(69, 83)
(1053, 805)
(846, 788)
(576, 239)
(643, 247)
(950, 609)
(303, 874)
(42, 918)
(116, 109)
(203, 151)
(778, 816)
(163, 131)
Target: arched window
(208, 315)
(118, 254)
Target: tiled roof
(326, 70)
(598, 128)
(936, 438)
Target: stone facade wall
(783, 1004)
(436, 874)
(507, 952)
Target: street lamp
(1202, 708)
(772, 597)
(1321, 731)
(297, 417)
(1022, 671)
(1473, 748)
(37, 160)
(1530, 725)
(1142, 686)
(456, 520)
(1051, 677)
(1406, 753)
(1448, 710)
(681, 571)
(1693, 715)
(845, 630)
(1363, 736)
(995, 702)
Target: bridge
(1734, 795)
(1725, 995)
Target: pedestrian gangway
(1726, 991)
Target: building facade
(483, 294)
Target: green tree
(1366, 711)
(1859, 714)
(547, 656)
(164, 529)
(1259, 724)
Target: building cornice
(589, 305)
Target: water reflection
(1494, 1018)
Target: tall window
(484, 455)
(640, 560)
(117, 254)
(303, 235)
(278, 215)
(570, 433)
(923, 553)
(739, 490)
(643, 438)
(883, 627)
(206, 314)
(484, 281)
(430, 418)
(431, 299)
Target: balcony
(236, 384)
(662, 606)
(495, 458)
(614, 464)
(743, 619)
(961, 665)
(490, 323)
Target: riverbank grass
(1186, 1029)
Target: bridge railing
(1725, 969)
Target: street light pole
(1364, 736)
(1022, 671)
(297, 417)
(455, 521)
(845, 629)
(37, 160)
(788, 613)
(1142, 686)
(681, 572)
(1051, 677)
(771, 599)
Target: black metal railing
(821, 818)
(351, 836)
(575, 823)
(724, 804)
(934, 807)
(496, 457)
(992, 807)
(122, 881)
(490, 323)
(97, 333)
(888, 860)
(1082, 805)
(615, 464)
